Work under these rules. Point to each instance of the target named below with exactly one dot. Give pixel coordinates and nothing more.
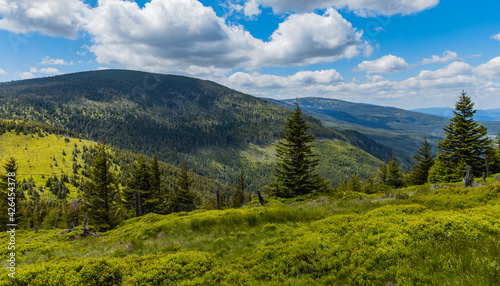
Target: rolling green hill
(399, 129)
(173, 117)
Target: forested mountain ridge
(167, 115)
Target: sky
(401, 53)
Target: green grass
(41, 157)
(433, 238)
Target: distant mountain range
(481, 114)
(219, 131)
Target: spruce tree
(156, 195)
(381, 176)
(100, 191)
(295, 174)
(423, 161)
(394, 176)
(11, 168)
(239, 196)
(140, 185)
(183, 200)
(354, 185)
(465, 143)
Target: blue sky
(407, 54)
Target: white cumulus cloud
(385, 64)
(490, 70)
(496, 37)
(2, 71)
(47, 70)
(448, 56)
(27, 75)
(52, 17)
(49, 61)
(360, 7)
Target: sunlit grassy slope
(449, 236)
(41, 157)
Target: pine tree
(183, 200)
(354, 185)
(369, 186)
(465, 143)
(423, 161)
(296, 161)
(394, 175)
(100, 191)
(139, 184)
(381, 174)
(7, 184)
(239, 196)
(156, 196)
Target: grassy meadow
(447, 236)
(41, 157)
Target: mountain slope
(174, 117)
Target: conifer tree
(183, 200)
(100, 191)
(369, 186)
(156, 196)
(295, 174)
(381, 176)
(10, 167)
(239, 196)
(140, 185)
(394, 176)
(465, 143)
(354, 185)
(423, 161)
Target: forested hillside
(173, 117)
(54, 165)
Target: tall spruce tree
(156, 196)
(295, 174)
(140, 186)
(422, 163)
(99, 193)
(465, 143)
(183, 199)
(381, 176)
(239, 196)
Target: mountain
(218, 130)
(400, 129)
(481, 114)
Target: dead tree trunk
(468, 180)
(487, 167)
(261, 199)
(217, 198)
(138, 212)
